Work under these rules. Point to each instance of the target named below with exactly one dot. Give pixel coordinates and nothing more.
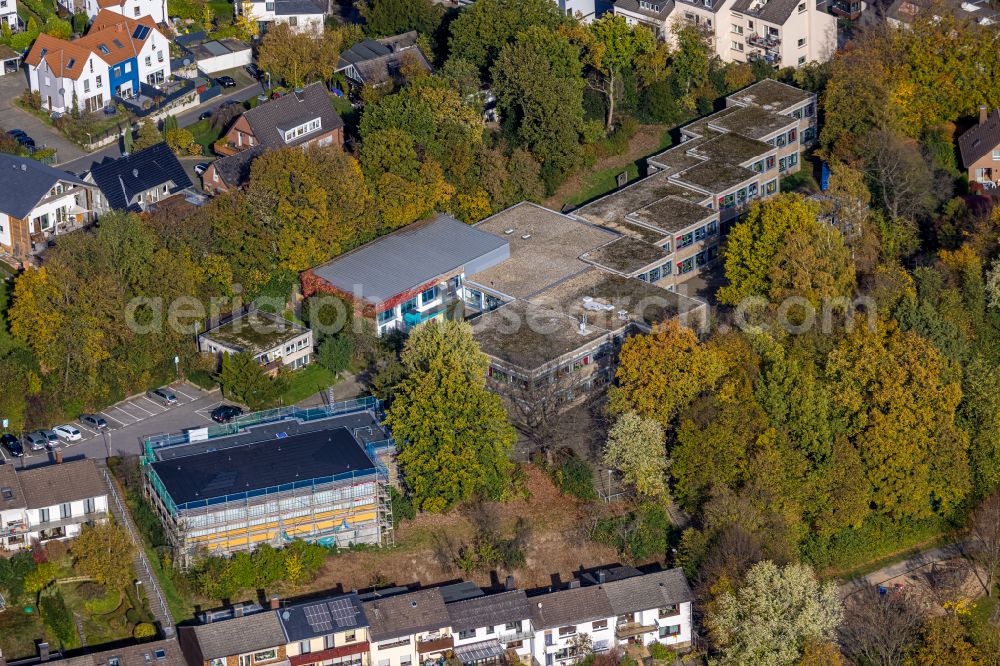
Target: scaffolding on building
(336, 511)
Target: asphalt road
(129, 422)
(81, 164)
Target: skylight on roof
(103, 49)
(117, 43)
(69, 65)
(44, 51)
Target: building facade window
(670, 631)
(996, 155)
(598, 625)
(802, 42)
(65, 510)
(802, 60)
(737, 46)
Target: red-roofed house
(115, 55)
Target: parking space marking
(132, 404)
(180, 392)
(80, 423)
(3, 456)
(154, 404)
(122, 411)
(112, 418)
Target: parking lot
(132, 420)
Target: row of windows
(303, 129)
(159, 58)
(784, 139)
(788, 162)
(66, 510)
(471, 633)
(698, 260)
(739, 197)
(698, 234)
(760, 166)
(807, 112)
(98, 80)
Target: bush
(618, 141)
(660, 651)
(637, 535)
(877, 537)
(57, 617)
(144, 630)
(220, 578)
(659, 104)
(402, 507)
(575, 476)
(13, 572)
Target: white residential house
(488, 627)
(38, 202)
(408, 629)
(111, 60)
(8, 15)
(133, 9)
(300, 15)
(784, 33)
(585, 10)
(50, 502)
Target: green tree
(482, 30)
(772, 616)
(335, 352)
(613, 48)
(943, 641)
(891, 391)
(814, 264)
(635, 447)
(57, 617)
(384, 18)
(661, 373)
(244, 380)
(148, 136)
(539, 89)
(754, 244)
(104, 552)
(455, 435)
(40, 577)
(691, 61)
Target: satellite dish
(62, 91)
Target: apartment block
(49, 502)
(697, 189)
(457, 623)
(318, 474)
(784, 33)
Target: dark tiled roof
(56, 484)
(234, 170)
(158, 653)
(24, 181)
(489, 611)
(298, 7)
(239, 635)
(666, 6)
(122, 179)
(311, 619)
(571, 606)
(375, 48)
(380, 70)
(406, 614)
(980, 140)
(649, 591)
(702, 4)
(311, 102)
(773, 11)
(11, 486)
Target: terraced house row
(457, 623)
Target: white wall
(133, 9)
(230, 60)
(4, 236)
(155, 46)
(600, 639)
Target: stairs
(143, 572)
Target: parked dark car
(225, 413)
(95, 421)
(17, 132)
(226, 81)
(25, 141)
(205, 115)
(254, 71)
(13, 446)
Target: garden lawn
(204, 134)
(602, 182)
(19, 631)
(306, 382)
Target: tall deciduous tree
(635, 448)
(983, 542)
(384, 18)
(104, 552)
(244, 380)
(899, 410)
(660, 373)
(944, 642)
(453, 433)
(880, 628)
(755, 243)
(613, 47)
(482, 30)
(776, 611)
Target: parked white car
(68, 432)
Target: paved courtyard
(11, 116)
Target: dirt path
(645, 142)
(557, 546)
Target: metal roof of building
(409, 258)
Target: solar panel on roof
(141, 31)
(344, 612)
(318, 618)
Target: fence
(166, 617)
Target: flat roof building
(274, 341)
(318, 474)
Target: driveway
(11, 116)
(132, 420)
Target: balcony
(767, 43)
(415, 317)
(13, 529)
(513, 636)
(846, 9)
(632, 629)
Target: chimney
(983, 114)
(508, 585)
(602, 576)
(573, 584)
(43, 651)
(275, 603)
(238, 610)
